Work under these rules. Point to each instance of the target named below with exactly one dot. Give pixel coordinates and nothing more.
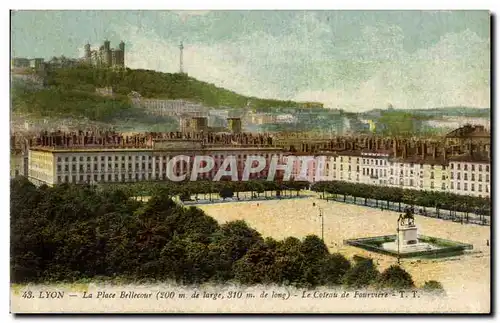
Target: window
(81, 178)
(116, 166)
(465, 167)
(95, 158)
(451, 165)
(66, 168)
(58, 159)
(59, 179)
(95, 178)
(487, 168)
(443, 177)
(357, 160)
(65, 159)
(59, 168)
(443, 186)
(109, 158)
(458, 186)
(123, 157)
(81, 158)
(102, 158)
(458, 176)
(472, 177)
(109, 177)
(472, 187)
(88, 158)
(432, 175)
(451, 185)
(480, 177)
(480, 188)
(349, 167)
(486, 188)
(432, 166)
(363, 172)
(432, 185)
(480, 168)
(123, 165)
(472, 168)
(116, 157)
(392, 171)
(74, 159)
(465, 176)
(458, 166)
(487, 178)
(73, 168)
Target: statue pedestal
(407, 235)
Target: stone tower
(87, 53)
(107, 53)
(122, 54)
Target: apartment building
(96, 165)
(470, 175)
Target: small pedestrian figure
(314, 204)
(488, 243)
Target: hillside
(63, 93)
(152, 84)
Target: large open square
(298, 217)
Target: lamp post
(322, 224)
(398, 241)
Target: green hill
(71, 92)
(152, 84)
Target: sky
(351, 60)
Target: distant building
(473, 134)
(104, 91)
(105, 56)
(18, 62)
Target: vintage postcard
(250, 162)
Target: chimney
(434, 151)
(424, 149)
(405, 150)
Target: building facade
(57, 166)
(105, 56)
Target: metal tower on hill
(181, 62)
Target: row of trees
(72, 232)
(202, 188)
(438, 200)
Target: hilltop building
(105, 56)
